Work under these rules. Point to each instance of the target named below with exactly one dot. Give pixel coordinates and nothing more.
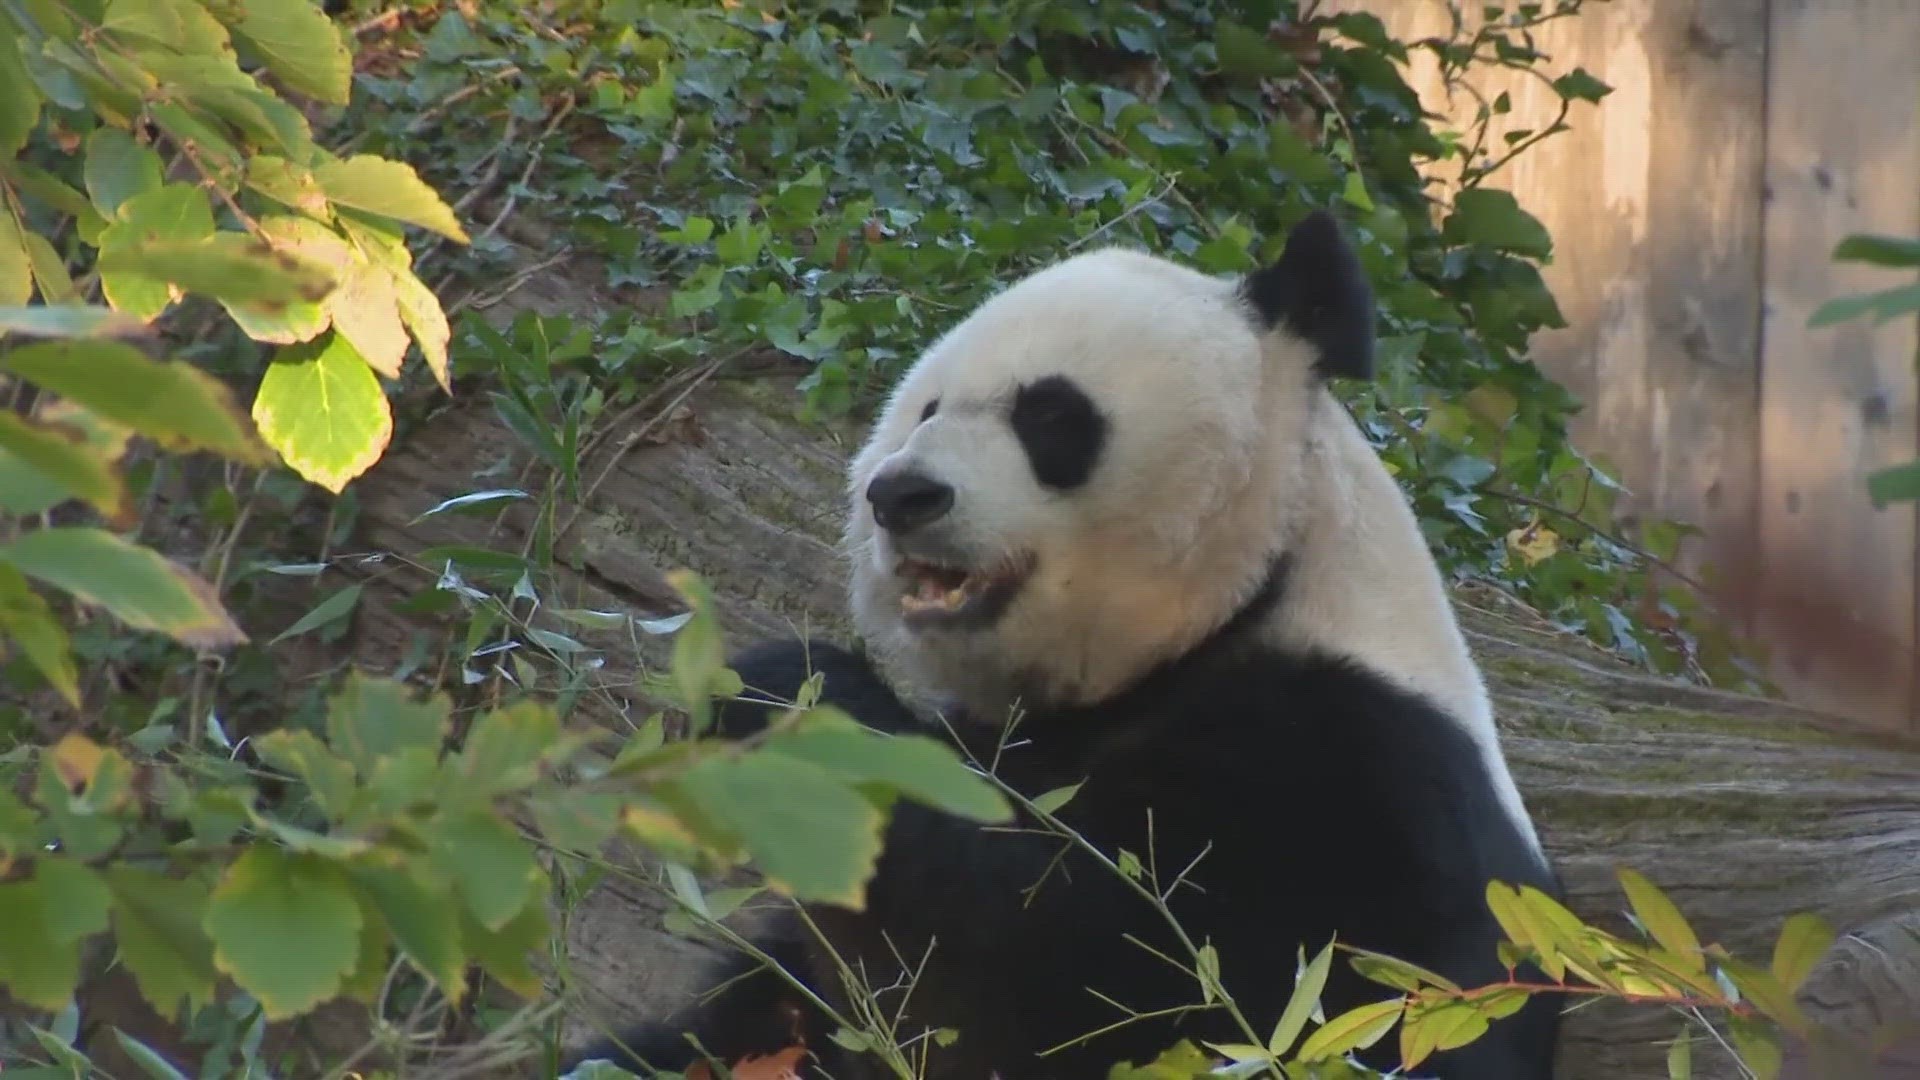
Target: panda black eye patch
(933, 406)
(1061, 430)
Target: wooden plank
(1653, 201)
(1843, 151)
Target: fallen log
(1745, 810)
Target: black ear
(1318, 290)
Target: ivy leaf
(1876, 250)
(286, 928)
(63, 456)
(118, 168)
(156, 924)
(322, 408)
(1494, 219)
(391, 189)
(28, 621)
(415, 913)
(171, 402)
(300, 45)
(1580, 85)
(369, 719)
(490, 862)
(138, 585)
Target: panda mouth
(935, 593)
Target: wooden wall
(1693, 213)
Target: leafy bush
(194, 179)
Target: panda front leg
(760, 1012)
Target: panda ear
(1317, 290)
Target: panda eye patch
(926, 414)
(1061, 430)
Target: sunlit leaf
(322, 408)
(27, 620)
(391, 189)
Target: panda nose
(904, 501)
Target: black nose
(907, 500)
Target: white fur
(1222, 450)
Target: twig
(419, 123)
(1120, 217)
(475, 300)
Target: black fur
(1061, 430)
(1318, 290)
(1332, 802)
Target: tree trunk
(1744, 810)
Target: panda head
(1098, 466)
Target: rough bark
(1745, 810)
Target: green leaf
(922, 768)
(1883, 305)
(138, 585)
(1306, 995)
(1680, 1056)
(49, 270)
(1662, 919)
(64, 456)
(144, 1056)
(299, 44)
(1898, 483)
(19, 101)
(302, 320)
(43, 922)
(1355, 1029)
(28, 621)
(67, 321)
(1803, 943)
(171, 212)
(490, 862)
(1397, 973)
(366, 311)
(16, 265)
(503, 953)
(505, 747)
(1757, 1045)
(1580, 85)
(369, 719)
(1894, 251)
(1494, 219)
(1050, 802)
(171, 402)
(156, 924)
(299, 753)
(285, 927)
(327, 612)
(415, 912)
(391, 189)
(231, 267)
(182, 25)
(118, 168)
(812, 836)
(322, 408)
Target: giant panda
(1119, 504)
